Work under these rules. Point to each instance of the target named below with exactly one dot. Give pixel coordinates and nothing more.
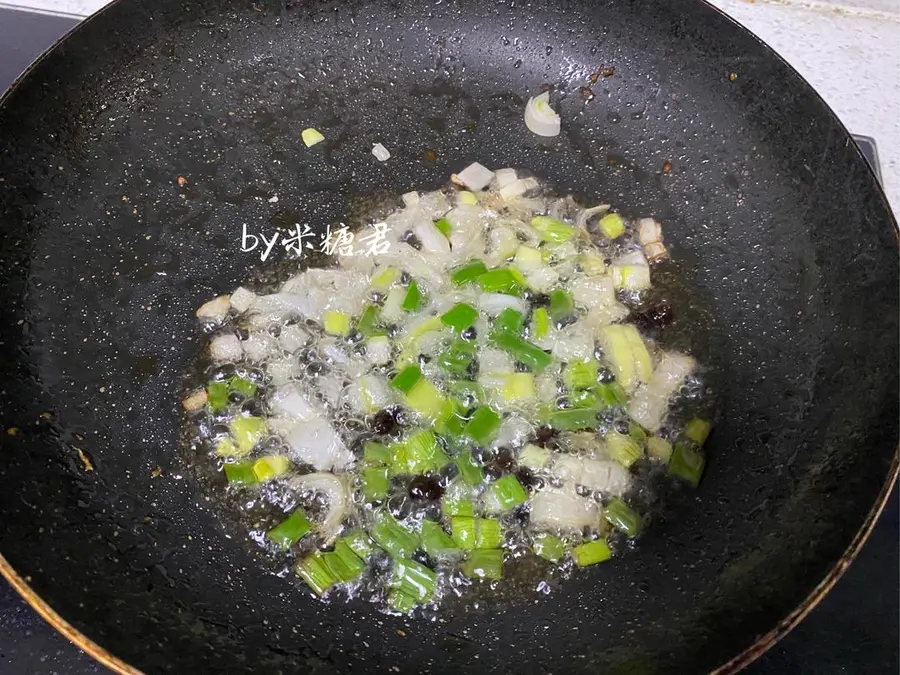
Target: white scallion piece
(381, 153)
(475, 176)
(540, 118)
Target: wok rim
(751, 653)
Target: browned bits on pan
(609, 71)
(85, 460)
(401, 633)
(156, 473)
(46, 415)
(13, 431)
(667, 167)
(430, 155)
(546, 87)
(586, 93)
(182, 181)
(732, 77)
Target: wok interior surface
(770, 212)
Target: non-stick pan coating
(769, 209)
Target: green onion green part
(549, 547)
(435, 541)
(444, 226)
(501, 280)
(313, 570)
(247, 432)
(376, 454)
(291, 530)
(572, 419)
(697, 430)
(412, 302)
(421, 453)
(368, 324)
(217, 396)
(508, 492)
(395, 539)
(467, 273)
(561, 304)
(242, 385)
(551, 229)
(483, 425)
(624, 449)
(458, 358)
(343, 563)
(406, 379)
(686, 462)
(591, 553)
(414, 580)
(375, 483)
(359, 542)
(272, 466)
(509, 320)
(623, 517)
(470, 471)
(521, 350)
(581, 374)
(459, 317)
(240, 473)
(540, 323)
(483, 565)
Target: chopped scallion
(336, 323)
(622, 517)
(581, 374)
(375, 483)
(240, 473)
(242, 386)
(470, 471)
(483, 425)
(444, 226)
(697, 430)
(483, 565)
(686, 462)
(359, 542)
(561, 304)
(521, 350)
(459, 317)
(612, 225)
(247, 432)
(435, 541)
(273, 466)
(217, 396)
(508, 492)
(313, 570)
(412, 302)
(467, 273)
(368, 324)
(510, 320)
(291, 530)
(540, 323)
(623, 449)
(488, 533)
(343, 563)
(458, 358)
(376, 454)
(549, 547)
(502, 280)
(421, 453)
(591, 553)
(573, 418)
(413, 579)
(391, 536)
(406, 379)
(659, 448)
(551, 229)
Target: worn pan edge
(786, 625)
(736, 664)
(739, 662)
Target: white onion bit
(540, 118)
(381, 153)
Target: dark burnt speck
(544, 435)
(385, 422)
(426, 488)
(656, 316)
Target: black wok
(773, 217)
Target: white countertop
(849, 50)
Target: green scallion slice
(412, 302)
(521, 350)
(406, 379)
(291, 530)
(623, 517)
(483, 425)
(467, 273)
(395, 539)
(313, 570)
(549, 547)
(591, 553)
(217, 396)
(459, 317)
(686, 462)
(551, 229)
(508, 492)
(376, 483)
(483, 565)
